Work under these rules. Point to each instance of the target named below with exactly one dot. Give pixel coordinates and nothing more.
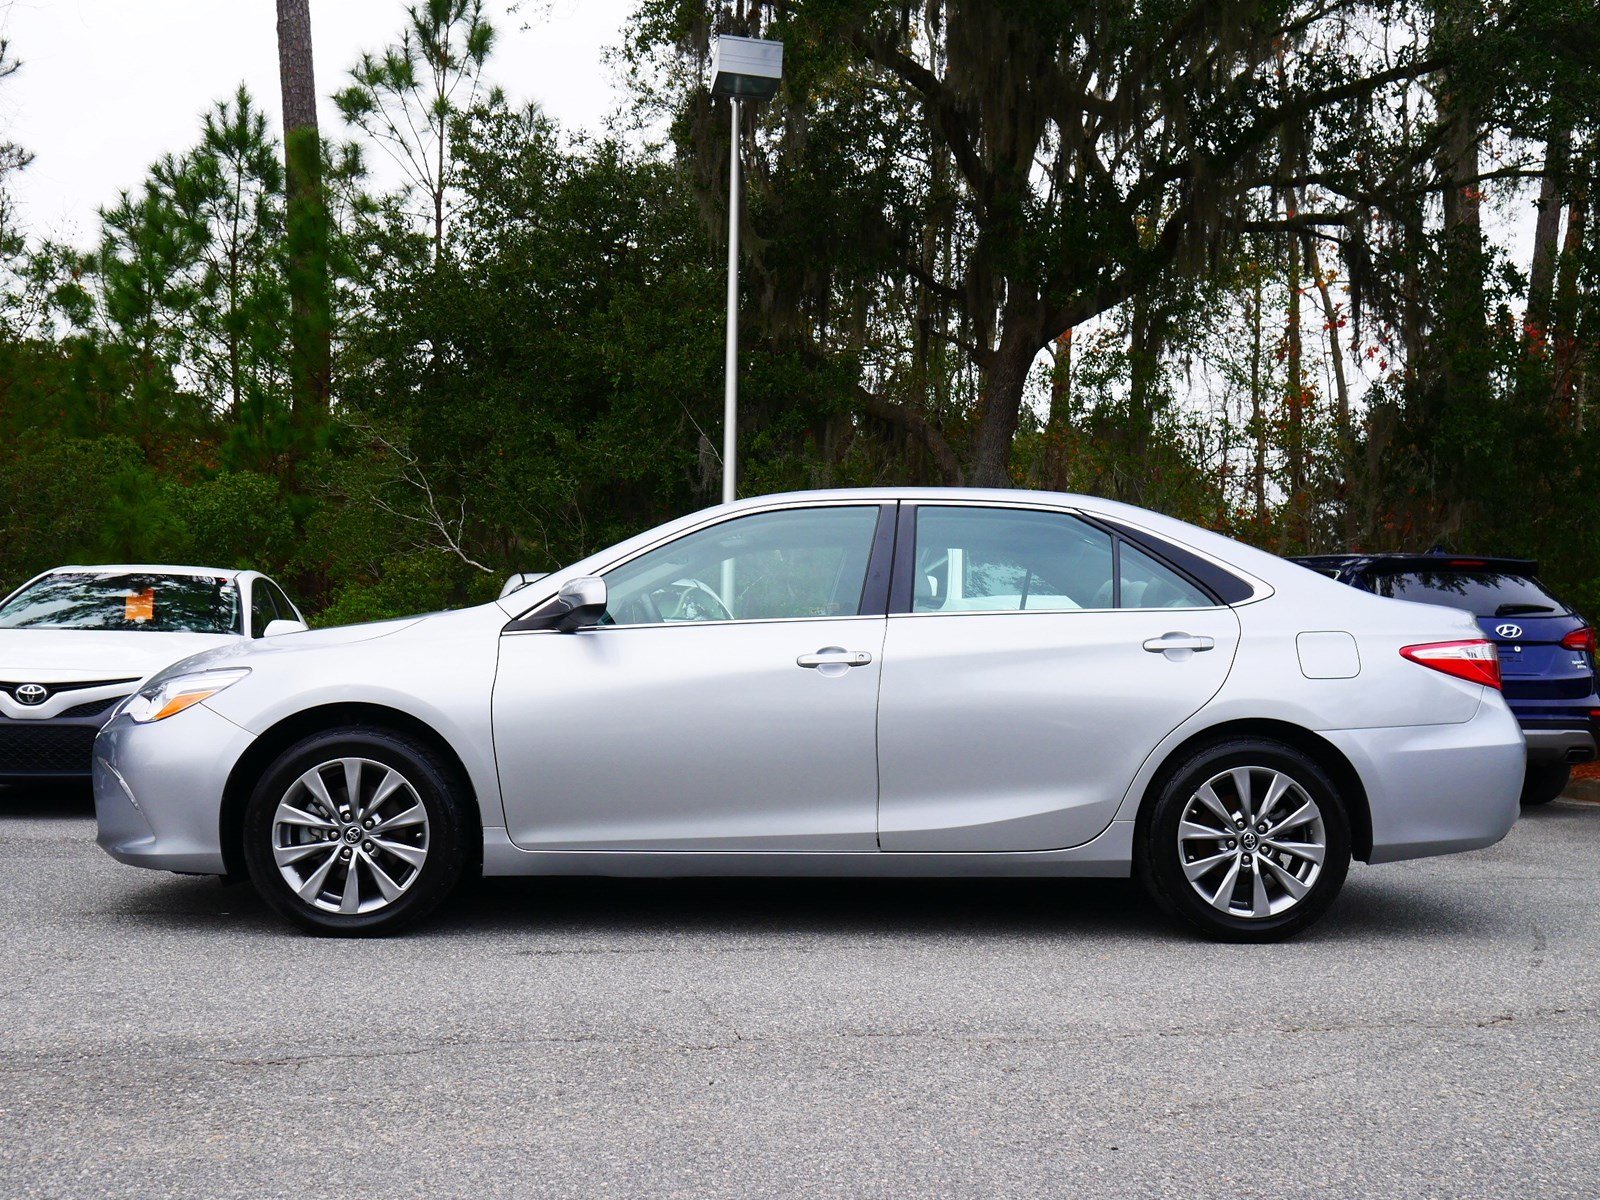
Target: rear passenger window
(1148, 584)
(978, 559)
(1008, 560)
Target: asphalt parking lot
(1435, 1036)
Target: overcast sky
(108, 86)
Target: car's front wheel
(355, 832)
(1248, 841)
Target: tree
(231, 186)
(1089, 151)
(407, 97)
(311, 320)
(13, 158)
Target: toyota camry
(75, 641)
(872, 683)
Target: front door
(1043, 659)
(727, 702)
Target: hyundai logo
(31, 693)
(1509, 631)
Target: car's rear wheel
(1248, 841)
(355, 832)
(1543, 782)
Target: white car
(75, 641)
(873, 682)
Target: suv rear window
(1482, 593)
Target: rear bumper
(1439, 789)
(1547, 747)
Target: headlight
(167, 699)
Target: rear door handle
(1179, 641)
(835, 656)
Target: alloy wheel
(350, 836)
(1252, 842)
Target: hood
(241, 652)
(68, 655)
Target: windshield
(1482, 593)
(147, 602)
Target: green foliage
(237, 519)
(408, 583)
(82, 500)
(527, 337)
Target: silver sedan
(873, 682)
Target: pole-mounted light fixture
(741, 69)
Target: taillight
(1580, 639)
(1476, 661)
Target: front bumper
(52, 748)
(158, 789)
(1438, 789)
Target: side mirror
(584, 601)
(274, 628)
(519, 581)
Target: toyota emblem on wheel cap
(31, 693)
(1509, 631)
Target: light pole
(741, 69)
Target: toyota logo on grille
(1509, 631)
(31, 693)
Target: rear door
(1032, 662)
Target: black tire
(1159, 862)
(1543, 782)
(434, 784)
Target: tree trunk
(1565, 324)
(1146, 339)
(1542, 272)
(1295, 400)
(1258, 415)
(1055, 468)
(310, 317)
(1463, 324)
(1060, 384)
(1005, 375)
(1343, 434)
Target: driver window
(809, 562)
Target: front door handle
(1179, 641)
(835, 656)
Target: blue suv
(1547, 651)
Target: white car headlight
(171, 697)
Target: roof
(148, 569)
(1421, 562)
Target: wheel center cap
(1247, 840)
(352, 834)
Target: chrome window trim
(591, 630)
(1052, 612)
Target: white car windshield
(144, 602)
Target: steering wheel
(695, 602)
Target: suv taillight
(1580, 639)
(1476, 661)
